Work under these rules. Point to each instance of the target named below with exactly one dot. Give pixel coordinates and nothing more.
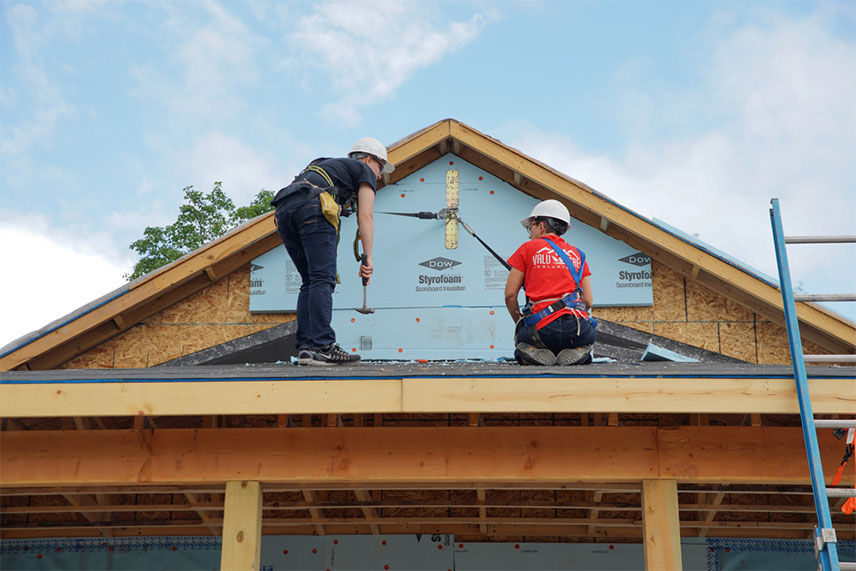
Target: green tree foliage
(201, 218)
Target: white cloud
(208, 61)
(370, 49)
(55, 274)
(31, 120)
(782, 93)
(241, 168)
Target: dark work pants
(310, 241)
(559, 334)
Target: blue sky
(696, 113)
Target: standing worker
(307, 219)
(556, 327)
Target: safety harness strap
(575, 273)
(572, 301)
(322, 172)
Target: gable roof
(123, 308)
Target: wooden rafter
(369, 512)
(315, 514)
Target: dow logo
(439, 264)
(637, 259)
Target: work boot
(329, 356)
(574, 356)
(526, 354)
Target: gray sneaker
(329, 356)
(528, 355)
(574, 356)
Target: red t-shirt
(545, 275)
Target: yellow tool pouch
(330, 208)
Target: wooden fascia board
(571, 190)
(388, 457)
(422, 395)
(152, 287)
(419, 142)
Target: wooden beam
(710, 515)
(623, 395)
(77, 501)
(311, 498)
(379, 457)
(368, 512)
(202, 513)
(704, 395)
(596, 496)
(417, 143)
(481, 496)
(661, 525)
(242, 526)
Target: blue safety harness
(572, 301)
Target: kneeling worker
(556, 327)
(307, 219)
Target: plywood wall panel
(100, 357)
(703, 335)
(737, 339)
(624, 314)
(772, 344)
(669, 294)
(706, 305)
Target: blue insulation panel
(415, 271)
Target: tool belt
(572, 301)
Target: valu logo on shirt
(546, 256)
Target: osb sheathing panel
(705, 305)
(704, 335)
(213, 315)
(773, 345)
(737, 340)
(669, 294)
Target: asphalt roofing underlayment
(615, 343)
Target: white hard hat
(375, 148)
(548, 209)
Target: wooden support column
(661, 526)
(242, 526)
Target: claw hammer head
(364, 309)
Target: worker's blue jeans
(561, 333)
(310, 241)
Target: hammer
(364, 309)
